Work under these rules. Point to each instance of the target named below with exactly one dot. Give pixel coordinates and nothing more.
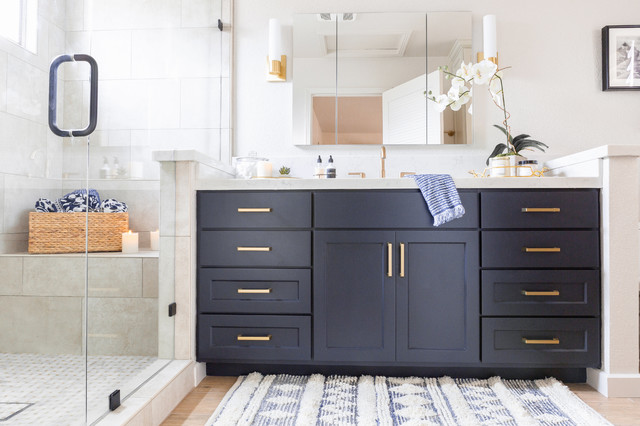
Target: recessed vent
(332, 17)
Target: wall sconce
(276, 60)
(489, 40)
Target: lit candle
(130, 242)
(154, 236)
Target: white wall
(553, 88)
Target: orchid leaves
(519, 143)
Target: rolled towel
(76, 201)
(441, 196)
(111, 205)
(44, 205)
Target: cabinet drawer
(540, 249)
(540, 209)
(541, 293)
(255, 248)
(259, 337)
(385, 209)
(549, 341)
(260, 291)
(267, 209)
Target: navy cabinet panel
(530, 209)
(266, 209)
(548, 341)
(508, 249)
(354, 296)
(385, 209)
(541, 293)
(437, 298)
(254, 291)
(253, 337)
(243, 248)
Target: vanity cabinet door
(438, 297)
(354, 296)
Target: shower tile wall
(163, 80)
(122, 288)
(30, 163)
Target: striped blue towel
(441, 196)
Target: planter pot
(504, 166)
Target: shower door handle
(53, 95)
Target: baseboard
(614, 385)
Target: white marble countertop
(395, 183)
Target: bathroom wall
(30, 156)
(553, 88)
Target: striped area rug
(345, 400)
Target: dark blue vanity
(359, 281)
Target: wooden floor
(197, 407)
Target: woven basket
(65, 232)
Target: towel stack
(77, 201)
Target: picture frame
(621, 57)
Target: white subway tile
(122, 104)
(130, 14)
(74, 15)
(27, 90)
(112, 51)
(3, 81)
(200, 103)
(163, 104)
(23, 145)
(200, 13)
(53, 10)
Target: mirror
(360, 78)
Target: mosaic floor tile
(55, 386)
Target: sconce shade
(276, 59)
(489, 38)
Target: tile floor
(49, 389)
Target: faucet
(383, 155)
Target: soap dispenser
(331, 169)
(105, 170)
(318, 172)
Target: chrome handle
(253, 338)
(254, 290)
(390, 259)
(541, 293)
(254, 210)
(401, 260)
(254, 248)
(53, 95)
(541, 249)
(554, 341)
(540, 210)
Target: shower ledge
(146, 253)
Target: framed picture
(621, 57)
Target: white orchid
(483, 72)
(442, 102)
(495, 88)
(458, 96)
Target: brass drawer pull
(401, 260)
(541, 249)
(254, 248)
(390, 259)
(254, 290)
(541, 293)
(554, 341)
(254, 210)
(540, 210)
(254, 338)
